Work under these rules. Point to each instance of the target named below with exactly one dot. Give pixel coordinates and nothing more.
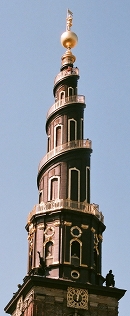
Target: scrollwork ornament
(19, 308)
(49, 232)
(96, 243)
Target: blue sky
(30, 59)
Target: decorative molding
(93, 230)
(51, 230)
(100, 237)
(76, 239)
(48, 238)
(40, 226)
(56, 223)
(76, 272)
(67, 223)
(25, 305)
(30, 227)
(84, 226)
(28, 299)
(96, 242)
(79, 230)
(32, 231)
(84, 265)
(19, 307)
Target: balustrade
(66, 204)
(65, 73)
(65, 101)
(74, 144)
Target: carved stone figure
(110, 279)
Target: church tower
(65, 230)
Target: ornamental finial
(69, 20)
(69, 40)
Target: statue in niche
(110, 279)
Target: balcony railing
(66, 73)
(65, 101)
(66, 204)
(74, 144)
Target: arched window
(88, 184)
(74, 184)
(49, 253)
(72, 129)
(58, 135)
(70, 91)
(48, 144)
(48, 249)
(62, 96)
(75, 252)
(81, 129)
(40, 196)
(54, 188)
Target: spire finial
(69, 20)
(69, 40)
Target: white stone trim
(87, 168)
(55, 127)
(72, 89)
(63, 91)
(72, 119)
(80, 242)
(69, 187)
(49, 187)
(81, 129)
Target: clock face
(77, 298)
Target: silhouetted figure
(42, 265)
(110, 279)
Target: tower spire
(69, 40)
(64, 229)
